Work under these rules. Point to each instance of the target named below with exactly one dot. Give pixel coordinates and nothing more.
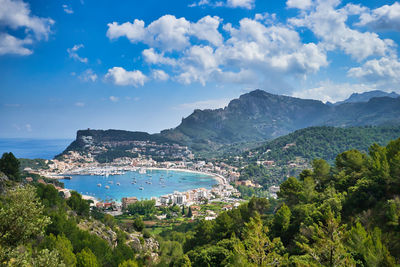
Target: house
(126, 201)
(29, 179)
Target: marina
(140, 183)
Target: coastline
(219, 178)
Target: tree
(257, 246)
(21, 216)
(86, 258)
(9, 165)
(190, 213)
(281, 220)
(321, 170)
(368, 247)
(129, 263)
(64, 248)
(323, 243)
(78, 204)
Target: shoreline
(217, 177)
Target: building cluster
(221, 191)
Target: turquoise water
(173, 181)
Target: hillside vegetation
(325, 142)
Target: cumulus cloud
(67, 9)
(386, 17)
(300, 4)
(332, 92)
(73, 53)
(14, 15)
(152, 57)
(262, 51)
(160, 75)
(246, 4)
(167, 33)
(120, 76)
(384, 70)
(329, 24)
(88, 76)
(11, 45)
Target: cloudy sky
(143, 65)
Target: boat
(99, 185)
(110, 182)
(163, 185)
(142, 171)
(141, 188)
(67, 177)
(118, 184)
(107, 187)
(148, 182)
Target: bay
(172, 181)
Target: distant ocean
(33, 148)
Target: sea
(33, 148)
(162, 181)
(155, 183)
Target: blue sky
(143, 65)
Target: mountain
(254, 117)
(324, 142)
(259, 115)
(366, 96)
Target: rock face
(149, 246)
(259, 115)
(253, 117)
(101, 230)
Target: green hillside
(325, 142)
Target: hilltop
(254, 117)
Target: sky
(144, 65)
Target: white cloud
(167, 33)
(385, 70)
(383, 18)
(16, 14)
(88, 75)
(120, 76)
(204, 104)
(329, 24)
(114, 99)
(248, 4)
(332, 92)
(67, 9)
(160, 75)
(11, 45)
(80, 104)
(300, 4)
(73, 53)
(152, 57)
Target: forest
(341, 214)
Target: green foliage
(9, 165)
(86, 258)
(78, 204)
(144, 207)
(21, 216)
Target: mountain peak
(366, 96)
